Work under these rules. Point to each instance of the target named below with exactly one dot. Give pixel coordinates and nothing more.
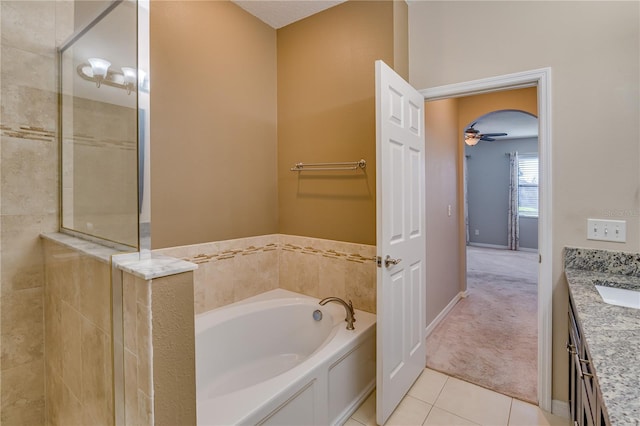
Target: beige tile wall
(77, 338)
(232, 270)
(174, 350)
(159, 350)
(28, 195)
(322, 268)
(138, 383)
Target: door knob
(388, 261)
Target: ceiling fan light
(471, 141)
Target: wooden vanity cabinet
(585, 400)
(602, 418)
(575, 385)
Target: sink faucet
(350, 319)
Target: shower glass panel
(99, 87)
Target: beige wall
(222, 147)
(471, 108)
(445, 268)
(213, 125)
(593, 51)
(326, 112)
(401, 38)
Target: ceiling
(516, 124)
(280, 13)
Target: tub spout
(348, 307)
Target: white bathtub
(265, 360)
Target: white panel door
(400, 237)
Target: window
(528, 185)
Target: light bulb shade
(99, 67)
(130, 75)
(472, 141)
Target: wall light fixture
(97, 71)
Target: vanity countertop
(612, 334)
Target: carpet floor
(490, 337)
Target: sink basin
(619, 296)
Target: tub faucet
(350, 319)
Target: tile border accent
(28, 132)
(212, 255)
(230, 253)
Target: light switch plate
(607, 230)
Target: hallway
(490, 337)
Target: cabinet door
(574, 380)
(575, 393)
(588, 378)
(586, 417)
(602, 418)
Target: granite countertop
(612, 333)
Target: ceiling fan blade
(485, 138)
(470, 129)
(494, 134)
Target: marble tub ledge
(155, 266)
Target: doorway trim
(540, 78)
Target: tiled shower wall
(78, 360)
(232, 270)
(28, 194)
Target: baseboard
(499, 247)
(560, 408)
(530, 250)
(444, 313)
(493, 246)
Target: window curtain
(514, 218)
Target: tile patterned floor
(437, 399)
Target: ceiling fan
(473, 136)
